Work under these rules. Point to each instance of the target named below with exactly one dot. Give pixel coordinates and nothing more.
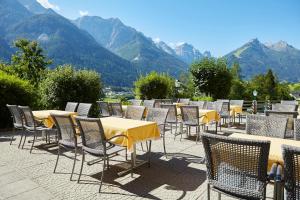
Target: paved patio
(30, 176)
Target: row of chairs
(239, 168)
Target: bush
(154, 86)
(65, 84)
(202, 98)
(14, 90)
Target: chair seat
(67, 143)
(98, 150)
(37, 128)
(18, 126)
(236, 182)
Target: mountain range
(121, 53)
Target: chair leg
(219, 196)
(58, 153)
(82, 161)
(21, 139)
(149, 153)
(142, 146)
(24, 141)
(102, 175)
(132, 164)
(208, 191)
(73, 164)
(164, 144)
(34, 136)
(197, 134)
(12, 137)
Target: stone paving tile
(182, 175)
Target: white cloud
(47, 4)
(83, 13)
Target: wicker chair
(31, 126)
(285, 102)
(149, 103)
(104, 109)
(135, 112)
(237, 103)
(291, 157)
(95, 143)
(17, 121)
(136, 102)
(297, 129)
(166, 101)
(184, 101)
(235, 167)
(157, 103)
(210, 105)
(290, 115)
(159, 115)
(200, 104)
(266, 126)
(223, 108)
(71, 106)
(172, 117)
(284, 107)
(66, 137)
(223, 100)
(191, 118)
(116, 109)
(84, 109)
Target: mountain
(255, 57)
(131, 45)
(33, 6)
(63, 42)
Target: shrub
(154, 86)
(14, 90)
(65, 84)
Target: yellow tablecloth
(275, 155)
(45, 116)
(207, 115)
(234, 110)
(135, 130)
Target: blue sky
(219, 26)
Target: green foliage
(154, 86)
(186, 87)
(65, 84)
(14, 91)
(294, 87)
(212, 77)
(202, 98)
(237, 90)
(29, 62)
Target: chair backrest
(158, 115)
(116, 109)
(92, 135)
(149, 103)
(223, 100)
(84, 109)
(157, 103)
(284, 107)
(200, 104)
(135, 102)
(71, 106)
(28, 116)
(297, 129)
(104, 109)
(210, 105)
(135, 112)
(235, 165)
(16, 115)
(269, 126)
(166, 101)
(172, 114)
(285, 102)
(65, 129)
(190, 115)
(237, 103)
(184, 101)
(291, 157)
(222, 107)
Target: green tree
(236, 71)
(270, 84)
(29, 62)
(154, 86)
(212, 77)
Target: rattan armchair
(238, 103)
(149, 103)
(284, 107)
(200, 104)
(191, 118)
(135, 112)
(136, 102)
(159, 115)
(269, 126)
(84, 109)
(184, 101)
(297, 129)
(236, 167)
(18, 123)
(96, 144)
(67, 138)
(172, 118)
(71, 106)
(287, 102)
(104, 109)
(223, 108)
(210, 105)
(31, 126)
(116, 109)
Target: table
(45, 116)
(235, 109)
(275, 155)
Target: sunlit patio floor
(182, 175)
